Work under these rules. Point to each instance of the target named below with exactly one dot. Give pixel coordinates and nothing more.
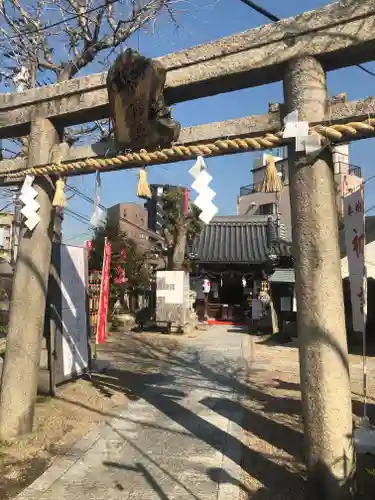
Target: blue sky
(203, 21)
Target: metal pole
(324, 366)
(16, 225)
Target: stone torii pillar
(27, 312)
(324, 366)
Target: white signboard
(355, 248)
(73, 351)
(172, 296)
(170, 286)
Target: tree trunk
(179, 249)
(170, 261)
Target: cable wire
(77, 236)
(275, 19)
(261, 10)
(6, 206)
(137, 226)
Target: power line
(369, 209)
(275, 19)
(77, 216)
(147, 231)
(77, 236)
(84, 196)
(261, 10)
(6, 206)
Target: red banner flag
(101, 333)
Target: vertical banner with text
(354, 219)
(104, 295)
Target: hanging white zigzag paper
(205, 193)
(31, 206)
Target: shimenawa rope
(334, 133)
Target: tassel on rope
(271, 182)
(59, 198)
(143, 190)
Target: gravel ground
(273, 424)
(78, 407)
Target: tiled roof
(237, 239)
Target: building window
(266, 209)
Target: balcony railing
(347, 167)
(248, 189)
(353, 170)
(343, 167)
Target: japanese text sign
(355, 240)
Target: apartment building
(6, 230)
(131, 219)
(155, 205)
(250, 202)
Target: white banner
(355, 239)
(75, 354)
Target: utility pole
(27, 311)
(324, 366)
(16, 226)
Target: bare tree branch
(33, 54)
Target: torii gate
(298, 51)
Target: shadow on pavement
(141, 469)
(278, 480)
(220, 476)
(283, 437)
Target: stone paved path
(169, 443)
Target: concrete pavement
(169, 443)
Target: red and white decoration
(101, 332)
